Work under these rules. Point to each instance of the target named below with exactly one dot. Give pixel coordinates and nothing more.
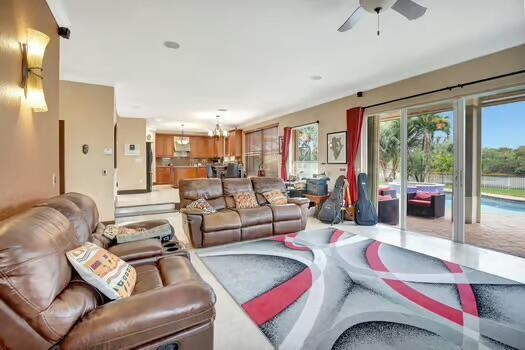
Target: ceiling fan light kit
(408, 8)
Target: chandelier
(218, 132)
(182, 140)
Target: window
(262, 151)
(305, 150)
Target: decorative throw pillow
(245, 200)
(110, 232)
(202, 204)
(111, 275)
(275, 197)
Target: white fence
(513, 182)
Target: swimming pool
(494, 206)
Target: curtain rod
(449, 88)
(298, 126)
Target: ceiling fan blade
(352, 20)
(409, 9)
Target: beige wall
(88, 112)
(28, 141)
(332, 115)
(131, 173)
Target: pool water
(494, 206)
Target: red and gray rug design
(329, 289)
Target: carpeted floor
(329, 289)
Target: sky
(503, 125)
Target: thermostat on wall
(131, 149)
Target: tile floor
(233, 328)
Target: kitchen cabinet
(187, 172)
(164, 146)
(235, 143)
(163, 175)
(200, 147)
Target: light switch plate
(108, 151)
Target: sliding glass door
(495, 172)
(429, 173)
(453, 169)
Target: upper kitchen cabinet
(234, 146)
(200, 147)
(163, 145)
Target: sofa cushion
(255, 216)
(73, 213)
(193, 189)
(105, 271)
(164, 272)
(285, 212)
(275, 197)
(266, 184)
(245, 200)
(222, 220)
(201, 204)
(234, 185)
(420, 202)
(384, 197)
(87, 206)
(146, 248)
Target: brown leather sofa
(229, 224)
(82, 212)
(44, 303)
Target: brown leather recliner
(82, 212)
(229, 224)
(44, 302)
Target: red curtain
(286, 153)
(354, 123)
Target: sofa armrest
(304, 204)
(192, 223)
(145, 318)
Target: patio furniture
(388, 208)
(426, 204)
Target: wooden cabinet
(163, 175)
(200, 147)
(190, 172)
(164, 145)
(234, 146)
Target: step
(146, 209)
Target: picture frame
(336, 146)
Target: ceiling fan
(407, 8)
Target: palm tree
(421, 132)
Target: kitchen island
(187, 172)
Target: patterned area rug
(329, 289)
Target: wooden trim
(137, 191)
(61, 157)
(109, 222)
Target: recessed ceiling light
(316, 77)
(222, 110)
(172, 45)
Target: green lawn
(506, 191)
(502, 191)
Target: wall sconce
(32, 78)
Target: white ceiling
(256, 58)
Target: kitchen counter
(187, 172)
